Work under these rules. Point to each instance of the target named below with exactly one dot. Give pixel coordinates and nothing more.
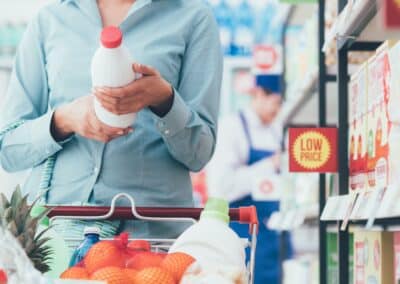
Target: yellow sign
(311, 150)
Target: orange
(103, 254)
(131, 273)
(77, 273)
(177, 263)
(154, 275)
(112, 275)
(144, 260)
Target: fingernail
(120, 132)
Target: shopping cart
(244, 215)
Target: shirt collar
(74, 1)
(253, 118)
(90, 7)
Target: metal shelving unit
(348, 29)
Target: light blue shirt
(180, 39)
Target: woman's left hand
(151, 91)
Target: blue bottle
(224, 17)
(92, 236)
(244, 30)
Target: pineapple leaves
(16, 216)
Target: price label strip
(331, 208)
(376, 201)
(351, 201)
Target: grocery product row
(373, 256)
(359, 217)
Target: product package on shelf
(396, 246)
(380, 134)
(371, 122)
(374, 259)
(353, 149)
(333, 258)
(358, 130)
(394, 99)
(382, 79)
(394, 115)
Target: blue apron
(267, 266)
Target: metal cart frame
(243, 215)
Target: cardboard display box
(373, 263)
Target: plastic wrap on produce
(15, 263)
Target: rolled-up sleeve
(189, 129)
(27, 100)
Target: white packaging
(112, 67)
(211, 241)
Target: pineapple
(15, 215)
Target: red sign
(313, 150)
(265, 57)
(391, 13)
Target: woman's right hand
(78, 117)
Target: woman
(177, 100)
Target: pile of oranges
(121, 263)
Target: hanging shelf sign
(391, 14)
(313, 150)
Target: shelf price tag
(331, 208)
(376, 201)
(313, 150)
(348, 207)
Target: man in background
(248, 152)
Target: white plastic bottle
(112, 67)
(211, 241)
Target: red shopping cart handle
(244, 215)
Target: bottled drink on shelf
(244, 27)
(224, 16)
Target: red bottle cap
(111, 37)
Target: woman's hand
(150, 91)
(79, 117)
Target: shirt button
(166, 132)
(161, 124)
(96, 170)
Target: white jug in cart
(112, 67)
(211, 241)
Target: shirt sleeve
(228, 175)
(189, 128)
(27, 100)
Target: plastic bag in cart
(15, 262)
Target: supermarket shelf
(351, 22)
(305, 92)
(293, 219)
(380, 222)
(237, 62)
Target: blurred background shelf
(307, 88)
(6, 63)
